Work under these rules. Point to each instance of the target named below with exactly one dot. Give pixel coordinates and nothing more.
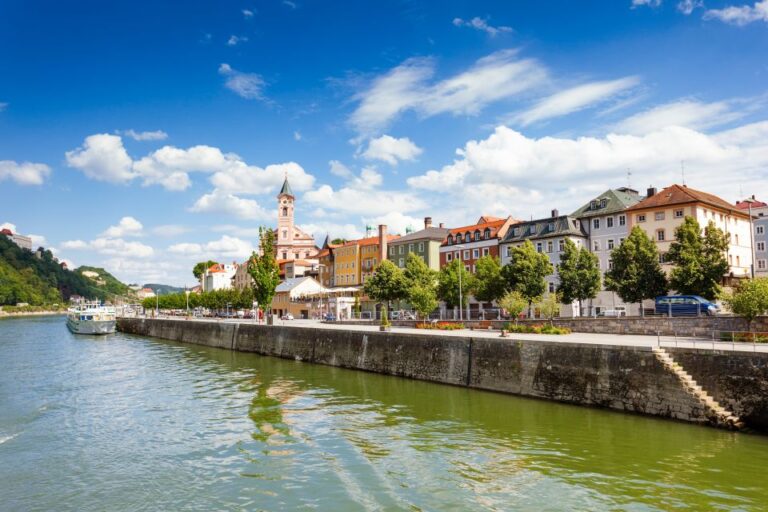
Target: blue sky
(144, 136)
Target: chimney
(442, 225)
(382, 242)
(555, 213)
(651, 192)
(427, 222)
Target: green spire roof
(286, 190)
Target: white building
(22, 241)
(218, 277)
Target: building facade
(660, 213)
(291, 241)
(759, 212)
(242, 279)
(325, 263)
(296, 296)
(424, 243)
(22, 241)
(218, 277)
(470, 243)
(356, 260)
(605, 221)
(548, 236)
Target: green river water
(130, 423)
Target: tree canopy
(488, 285)
(448, 284)
(699, 259)
(579, 272)
(264, 270)
(750, 299)
(635, 272)
(199, 269)
(387, 283)
(526, 271)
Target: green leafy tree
(750, 299)
(448, 284)
(339, 241)
(549, 305)
(199, 269)
(264, 270)
(417, 272)
(489, 284)
(424, 300)
(636, 273)
(514, 302)
(579, 272)
(387, 283)
(699, 259)
(526, 272)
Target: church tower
(285, 228)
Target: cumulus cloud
(237, 177)
(222, 202)
(574, 99)
(170, 230)
(235, 40)
(649, 3)
(24, 173)
(247, 85)
(687, 6)
(102, 157)
(297, 135)
(225, 247)
(339, 169)
(391, 150)
(740, 15)
(128, 226)
(550, 165)
(144, 136)
(686, 112)
(482, 25)
(407, 87)
(112, 247)
(8, 225)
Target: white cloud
(248, 85)
(102, 157)
(128, 226)
(297, 135)
(406, 87)
(339, 169)
(218, 201)
(362, 197)
(186, 248)
(687, 6)
(482, 25)
(38, 240)
(649, 3)
(347, 230)
(240, 178)
(390, 149)
(397, 223)
(225, 247)
(247, 13)
(235, 40)
(249, 232)
(143, 136)
(550, 166)
(740, 15)
(169, 166)
(112, 247)
(689, 113)
(574, 99)
(8, 225)
(24, 173)
(170, 230)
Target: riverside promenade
(683, 379)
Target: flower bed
(536, 329)
(745, 337)
(441, 326)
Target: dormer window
(603, 202)
(593, 205)
(450, 239)
(467, 236)
(477, 235)
(487, 234)
(551, 227)
(533, 229)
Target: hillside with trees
(38, 279)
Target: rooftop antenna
(629, 178)
(682, 170)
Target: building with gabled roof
(425, 243)
(660, 213)
(289, 293)
(476, 240)
(759, 212)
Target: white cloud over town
(24, 173)
(482, 25)
(145, 136)
(391, 150)
(128, 226)
(740, 15)
(247, 85)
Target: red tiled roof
(6, 231)
(681, 194)
(369, 241)
(485, 221)
(744, 205)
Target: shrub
(442, 326)
(536, 329)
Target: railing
(742, 341)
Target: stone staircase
(718, 414)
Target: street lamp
(157, 303)
(749, 201)
(186, 292)
(461, 267)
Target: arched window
(450, 239)
(487, 234)
(477, 234)
(285, 211)
(467, 236)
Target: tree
(448, 284)
(199, 269)
(339, 241)
(635, 272)
(549, 305)
(489, 285)
(579, 271)
(526, 272)
(514, 302)
(417, 273)
(264, 269)
(386, 284)
(699, 259)
(750, 299)
(423, 299)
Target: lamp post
(461, 268)
(751, 237)
(157, 303)
(186, 292)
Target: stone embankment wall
(616, 377)
(678, 326)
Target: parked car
(287, 316)
(685, 305)
(329, 317)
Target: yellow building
(660, 213)
(356, 260)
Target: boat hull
(91, 326)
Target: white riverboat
(91, 318)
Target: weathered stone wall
(616, 377)
(677, 326)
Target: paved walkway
(586, 338)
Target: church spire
(286, 190)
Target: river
(130, 423)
